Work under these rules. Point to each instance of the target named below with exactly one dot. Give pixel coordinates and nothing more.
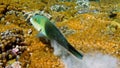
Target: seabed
(97, 31)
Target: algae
(91, 29)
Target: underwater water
(91, 60)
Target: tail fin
(74, 52)
(67, 47)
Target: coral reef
(11, 45)
(58, 8)
(92, 30)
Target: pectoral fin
(40, 34)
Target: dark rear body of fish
(53, 33)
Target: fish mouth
(31, 20)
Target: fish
(48, 30)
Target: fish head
(38, 22)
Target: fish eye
(35, 19)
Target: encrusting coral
(87, 32)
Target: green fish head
(38, 21)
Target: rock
(16, 64)
(27, 15)
(2, 19)
(1, 15)
(2, 8)
(7, 23)
(66, 0)
(11, 44)
(30, 31)
(82, 3)
(115, 24)
(59, 8)
(66, 31)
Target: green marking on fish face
(40, 19)
(39, 23)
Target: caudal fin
(65, 47)
(74, 52)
